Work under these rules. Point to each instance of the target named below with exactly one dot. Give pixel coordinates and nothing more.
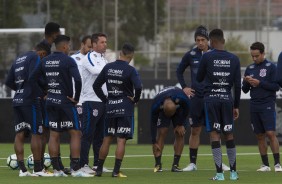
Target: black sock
(75, 164)
(37, 165)
(117, 165)
(60, 162)
(217, 155)
(100, 165)
(176, 159)
(276, 157)
(264, 159)
(42, 163)
(55, 163)
(22, 166)
(158, 160)
(193, 155)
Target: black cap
(201, 31)
(61, 38)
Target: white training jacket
(91, 65)
(78, 59)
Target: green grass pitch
(138, 166)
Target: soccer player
(170, 105)
(59, 70)
(259, 79)
(279, 68)
(220, 69)
(93, 108)
(195, 92)
(85, 47)
(27, 108)
(52, 30)
(124, 90)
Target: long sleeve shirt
(18, 79)
(191, 59)
(176, 95)
(263, 96)
(91, 66)
(122, 81)
(59, 71)
(220, 70)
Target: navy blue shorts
(79, 110)
(219, 116)
(62, 118)
(93, 118)
(44, 113)
(28, 118)
(122, 127)
(197, 112)
(176, 119)
(263, 121)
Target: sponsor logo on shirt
(111, 81)
(19, 69)
(54, 63)
(114, 72)
(21, 59)
(52, 83)
(115, 101)
(221, 63)
(52, 73)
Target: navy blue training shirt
(220, 70)
(19, 78)
(192, 59)
(177, 96)
(122, 80)
(263, 96)
(59, 70)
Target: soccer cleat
(27, 173)
(264, 168)
(98, 173)
(59, 173)
(234, 175)
(190, 167)
(158, 168)
(218, 177)
(105, 170)
(225, 167)
(277, 168)
(175, 168)
(67, 171)
(87, 169)
(118, 175)
(80, 173)
(43, 173)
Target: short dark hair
(257, 46)
(52, 27)
(61, 38)
(43, 46)
(95, 37)
(216, 34)
(127, 49)
(85, 38)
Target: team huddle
(93, 100)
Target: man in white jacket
(93, 108)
